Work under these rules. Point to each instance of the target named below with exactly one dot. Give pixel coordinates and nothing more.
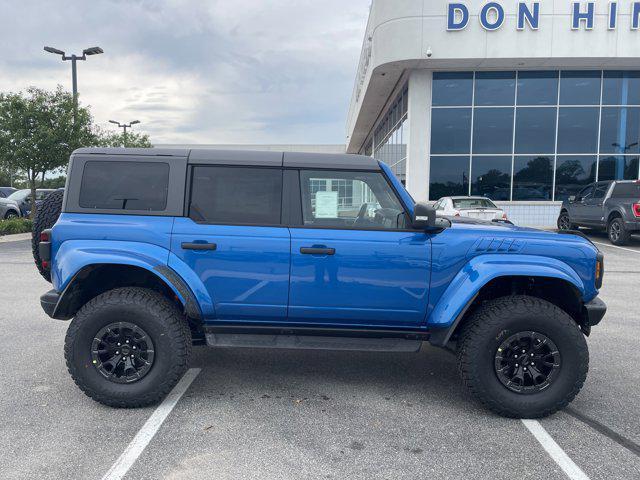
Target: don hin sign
(492, 16)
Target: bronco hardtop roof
(211, 156)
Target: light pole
(74, 75)
(124, 127)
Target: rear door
(593, 207)
(353, 259)
(580, 205)
(233, 239)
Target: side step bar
(313, 342)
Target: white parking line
(615, 246)
(150, 428)
(553, 449)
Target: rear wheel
(128, 347)
(522, 357)
(564, 222)
(10, 214)
(617, 232)
(46, 217)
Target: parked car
(22, 198)
(6, 191)
(157, 250)
(610, 205)
(473, 207)
(9, 209)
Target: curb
(15, 237)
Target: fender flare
(75, 257)
(478, 272)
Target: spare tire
(46, 216)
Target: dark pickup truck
(611, 205)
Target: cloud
(243, 71)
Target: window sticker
(326, 204)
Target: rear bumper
(49, 302)
(632, 225)
(594, 311)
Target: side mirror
(572, 199)
(424, 217)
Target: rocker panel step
(313, 342)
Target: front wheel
(564, 222)
(617, 232)
(522, 357)
(11, 214)
(128, 347)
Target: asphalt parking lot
(312, 414)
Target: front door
(354, 262)
(234, 242)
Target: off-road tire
(158, 317)
(46, 216)
(617, 233)
(564, 222)
(497, 320)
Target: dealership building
(522, 102)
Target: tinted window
(449, 176)
(493, 130)
(620, 130)
(621, 88)
(618, 168)
(625, 190)
(578, 130)
(491, 177)
(245, 196)
(125, 186)
(452, 88)
(601, 190)
(535, 130)
(532, 178)
(450, 130)
(585, 193)
(537, 88)
(359, 200)
(573, 173)
(495, 88)
(580, 88)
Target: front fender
(74, 255)
(482, 269)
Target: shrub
(15, 225)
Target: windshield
(473, 203)
(19, 195)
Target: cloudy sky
(209, 71)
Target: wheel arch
(489, 278)
(615, 213)
(96, 278)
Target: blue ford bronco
(157, 250)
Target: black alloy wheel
(564, 222)
(122, 352)
(527, 362)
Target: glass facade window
(491, 177)
(621, 88)
(449, 176)
(535, 135)
(573, 173)
(452, 88)
(390, 137)
(495, 88)
(537, 88)
(533, 177)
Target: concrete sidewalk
(15, 237)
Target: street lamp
(74, 76)
(124, 127)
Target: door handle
(317, 251)
(198, 246)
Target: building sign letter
(635, 16)
(499, 16)
(458, 16)
(579, 16)
(525, 15)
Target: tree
(111, 139)
(37, 133)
